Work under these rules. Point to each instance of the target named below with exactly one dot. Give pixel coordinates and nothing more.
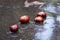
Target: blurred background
(11, 10)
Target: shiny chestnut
(42, 14)
(38, 19)
(14, 28)
(24, 19)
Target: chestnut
(14, 28)
(24, 19)
(42, 14)
(38, 19)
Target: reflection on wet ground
(48, 30)
(32, 31)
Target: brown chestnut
(24, 19)
(38, 19)
(42, 14)
(14, 28)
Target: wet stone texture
(11, 10)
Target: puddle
(47, 31)
(58, 18)
(51, 9)
(30, 31)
